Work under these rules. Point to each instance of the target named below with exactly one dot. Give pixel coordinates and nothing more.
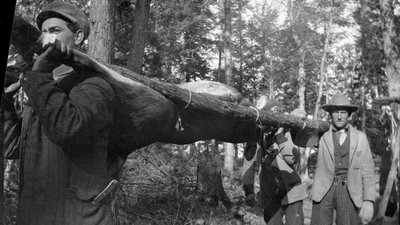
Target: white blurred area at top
(260, 5)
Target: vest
(342, 154)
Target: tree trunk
(271, 79)
(209, 172)
(209, 179)
(300, 52)
(302, 79)
(135, 58)
(241, 42)
(101, 38)
(101, 41)
(221, 77)
(227, 42)
(228, 147)
(229, 157)
(392, 54)
(302, 168)
(322, 75)
(363, 116)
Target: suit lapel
(329, 143)
(353, 143)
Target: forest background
(298, 52)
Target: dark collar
(346, 128)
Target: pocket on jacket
(85, 186)
(86, 191)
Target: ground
(157, 188)
(191, 210)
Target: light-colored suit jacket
(360, 176)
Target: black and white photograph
(200, 112)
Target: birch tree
(322, 75)
(229, 147)
(293, 15)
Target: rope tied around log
(258, 113)
(304, 125)
(260, 125)
(190, 99)
(178, 125)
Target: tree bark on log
(225, 121)
(203, 116)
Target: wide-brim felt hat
(67, 12)
(339, 101)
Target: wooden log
(203, 116)
(24, 37)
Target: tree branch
(387, 100)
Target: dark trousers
(293, 214)
(338, 199)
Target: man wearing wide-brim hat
(344, 175)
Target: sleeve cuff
(369, 200)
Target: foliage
(184, 45)
(29, 9)
(177, 38)
(369, 74)
(158, 185)
(10, 195)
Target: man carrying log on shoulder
(69, 163)
(281, 189)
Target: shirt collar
(346, 128)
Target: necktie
(342, 136)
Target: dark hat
(339, 101)
(67, 12)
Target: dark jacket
(279, 181)
(65, 149)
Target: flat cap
(67, 12)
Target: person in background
(62, 130)
(252, 154)
(344, 174)
(281, 189)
